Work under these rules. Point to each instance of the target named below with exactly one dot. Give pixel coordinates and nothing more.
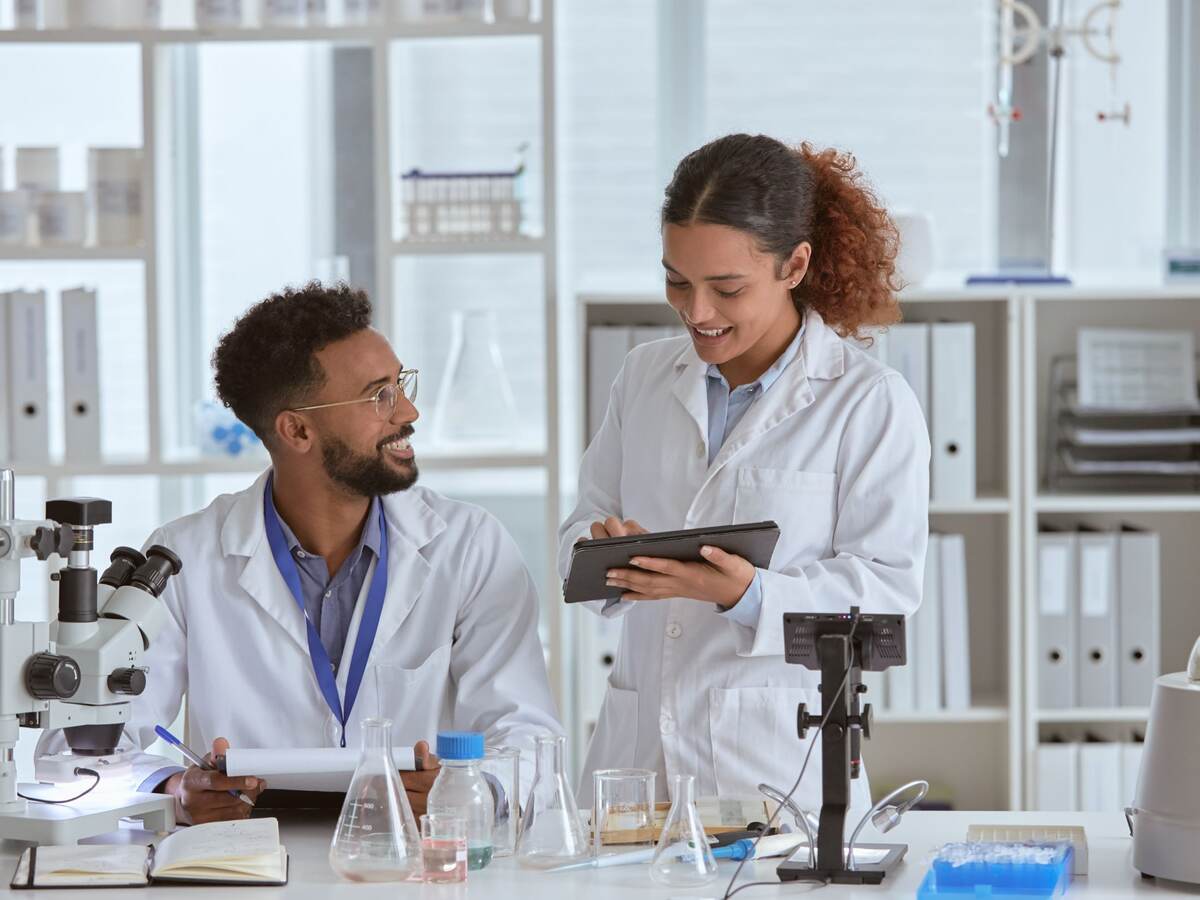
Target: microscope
(76, 673)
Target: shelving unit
(162, 461)
(984, 754)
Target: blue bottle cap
(460, 745)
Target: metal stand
(838, 738)
(69, 823)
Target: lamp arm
(922, 789)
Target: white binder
(876, 685)
(1096, 652)
(1100, 777)
(927, 624)
(29, 432)
(644, 334)
(1056, 636)
(5, 390)
(1139, 615)
(1131, 766)
(900, 682)
(906, 349)
(952, 410)
(956, 645)
(607, 347)
(1057, 777)
(81, 375)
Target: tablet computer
(591, 560)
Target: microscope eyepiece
(124, 562)
(160, 565)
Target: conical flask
(475, 403)
(682, 857)
(551, 830)
(376, 837)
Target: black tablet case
(591, 560)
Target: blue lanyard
(368, 623)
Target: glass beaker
(443, 848)
(376, 838)
(475, 404)
(622, 810)
(503, 764)
(551, 830)
(683, 857)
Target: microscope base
(69, 823)
(795, 867)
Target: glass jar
(461, 790)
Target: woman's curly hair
(783, 196)
(266, 363)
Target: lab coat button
(701, 449)
(674, 630)
(666, 724)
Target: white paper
(1134, 368)
(91, 859)
(218, 842)
(1130, 466)
(312, 769)
(1131, 437)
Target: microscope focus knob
(48, 541)
(52, 677)
(127, 681)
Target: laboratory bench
(1110, 871)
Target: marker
(191, 757)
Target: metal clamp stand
(839, 742)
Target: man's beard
(367, 476)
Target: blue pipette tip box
(999, 870)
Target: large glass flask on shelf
(475, 406)
(376, 838)
(551, 831)
(682, 857)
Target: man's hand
(722, 580)
(614, 527)
(417, 784)
(204, 794)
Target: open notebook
(246, 852)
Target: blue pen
(191, 757)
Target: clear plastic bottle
(461, 790)
(376, 838)
(551, 830)
(682, 857)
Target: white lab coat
(459, 620)
(837, 453)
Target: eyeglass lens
(385, 400)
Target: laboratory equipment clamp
(77, 672)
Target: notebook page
(216, 844)
(86, 864)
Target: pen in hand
(191, 756)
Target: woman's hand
(722, 579)
(614, 527)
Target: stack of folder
(607, 348)
(938, 361)
(1091, 775)
(1098, 618)
(938, 673)
(24, 392)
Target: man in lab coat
(334, 589)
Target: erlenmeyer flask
(376, 837)
(475, 404)
(551, 830)
(682, 857)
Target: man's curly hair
(266, 363)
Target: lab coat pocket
(614, 744)
(802, 503)
(754, 740)
(403, 689)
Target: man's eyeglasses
(384, 399)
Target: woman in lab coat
(772, 256)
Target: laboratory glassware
(683, 857)
(551, 831)
(502, 766)
(475, 403)
(376, 838)
(461, 790)
(443, 848)
(623, 810)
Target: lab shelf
(1117, 503)
(393, 31)
(467, 248)
(985, 504)
(70, 254)
(973, 716)
(1100, 714)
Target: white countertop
(1110, 872)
